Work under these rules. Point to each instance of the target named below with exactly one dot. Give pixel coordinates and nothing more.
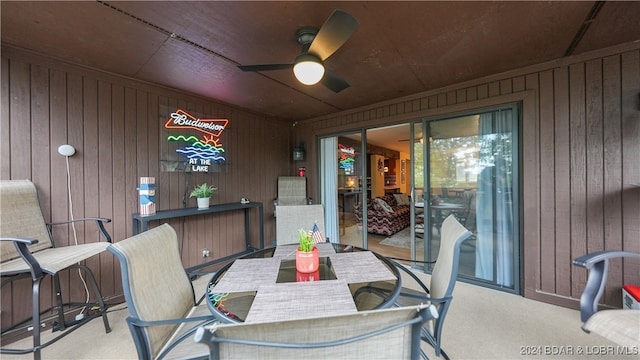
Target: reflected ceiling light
(308, 69)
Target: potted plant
(307, 259)
(203, 193)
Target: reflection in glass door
(471, 162)
(348, 161)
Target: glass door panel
(453, 157)
(421, 249)
(472, 176)
(464, 166)
(382, 172)
(388, 225)
(496, 224)
(351, 183)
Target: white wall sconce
(66, 150)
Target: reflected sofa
(386, 216)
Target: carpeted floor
(402, 239)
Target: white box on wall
(631, 297)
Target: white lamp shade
(308, 69)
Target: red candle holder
(307, 262)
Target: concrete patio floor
(481, 324)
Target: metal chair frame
(282, 339)
(35, 256)
(443, 281)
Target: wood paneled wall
(580, 153)
(114, 125)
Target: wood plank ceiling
(400, 48)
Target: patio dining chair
(163, 312)
(621, 326)
(440, 289)
(292, 190)
(294, 217)
(392, 333)
(28, 250)
(466, 216)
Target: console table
(143, 220)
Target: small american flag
(317, 234)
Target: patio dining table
(265, 286)
(438, 211)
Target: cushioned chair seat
(619, 326)
(54, 260)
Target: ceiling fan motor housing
(317, 45)
(305, 36)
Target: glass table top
(265, 286)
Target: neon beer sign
(201, 151)
(346, 157)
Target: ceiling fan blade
(334, 33)
(265, 67)
(334, 82)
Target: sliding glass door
(343, 186)
(471, 162)
(497, 248)
(421, 249)
(464, 166)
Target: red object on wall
(301, 171)
(633, 291)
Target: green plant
(306, 241)
(203, 191)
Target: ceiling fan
(317, 46)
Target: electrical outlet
(205, 253)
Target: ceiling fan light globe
(308, 69)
